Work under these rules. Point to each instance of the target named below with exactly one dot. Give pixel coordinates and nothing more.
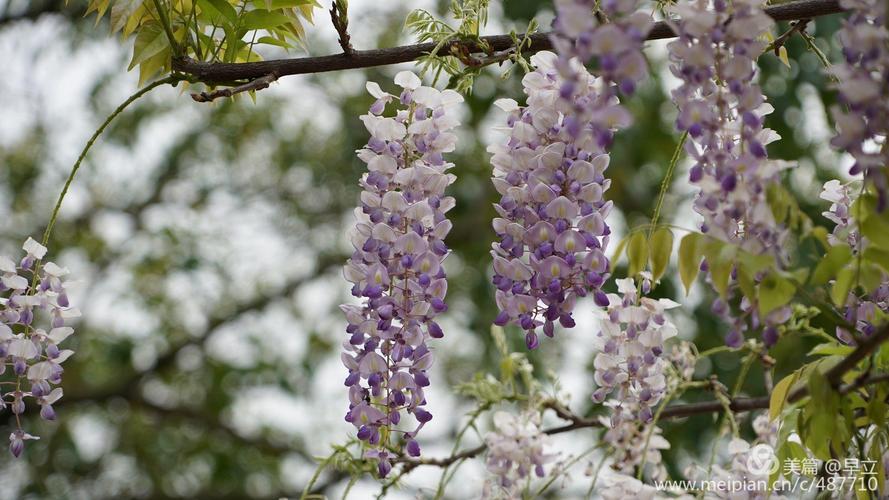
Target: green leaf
(876, 228)
(660, 248)
(720, 258)
(280, 4)
(150, 42)
(268, 40)
(780, 393)
(690, 255)
(878, 256)
(774, 292)
(835, 259)
(637, 252)
(745, 281)
(876, 410)
(830, 350)
(263, 20)
(840, 289)
(219, 10)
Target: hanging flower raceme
(750, 464)
(612, 36)
(631, 347)
(633, 444)
(862, 310)
(864, 90)
(551, 229)
(722, 109)
(34, 312)
(396, 269)
(516, 449)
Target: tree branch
(33, 12)
(253, 85)
(227, 72)
(131, 383)
(737, 405)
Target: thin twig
(735, 405)
(798, 26)
(89, 144)
(339, 15)
(254, 85)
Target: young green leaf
(689, 259)
(840, 289)
(150, 42)
(774, 292)
(835, 259)
(660, 248)
(878, 256)
(720, 258)
(219, 11)
(876, 228)
(263, 20)
(637, 252)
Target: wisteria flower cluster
(34, 312)
(516, 449)
(864, 90)
(627, 437)
(630, 359)
(396, 268)
(551, 229)
(612, 36)
(863, 310)
(616, 486)
(722, 109)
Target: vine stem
(89, 144)
(665, 184)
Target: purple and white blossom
(620, 486)
(864, 310)
(631, 359)
(627, 439)
(863, 126)
(397, 266)
(34, 312)
(612, 36)
(516, 449)
(841, 196)
(723, 109)
(551, 227)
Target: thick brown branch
(227, 72)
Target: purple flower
(722, 109)
(631, 344)
(515, 447)
(551, 226)
(33, 354)
(861, 309)
(864, 90)
(396, 268)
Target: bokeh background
(207, 242)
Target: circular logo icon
(761, 460)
